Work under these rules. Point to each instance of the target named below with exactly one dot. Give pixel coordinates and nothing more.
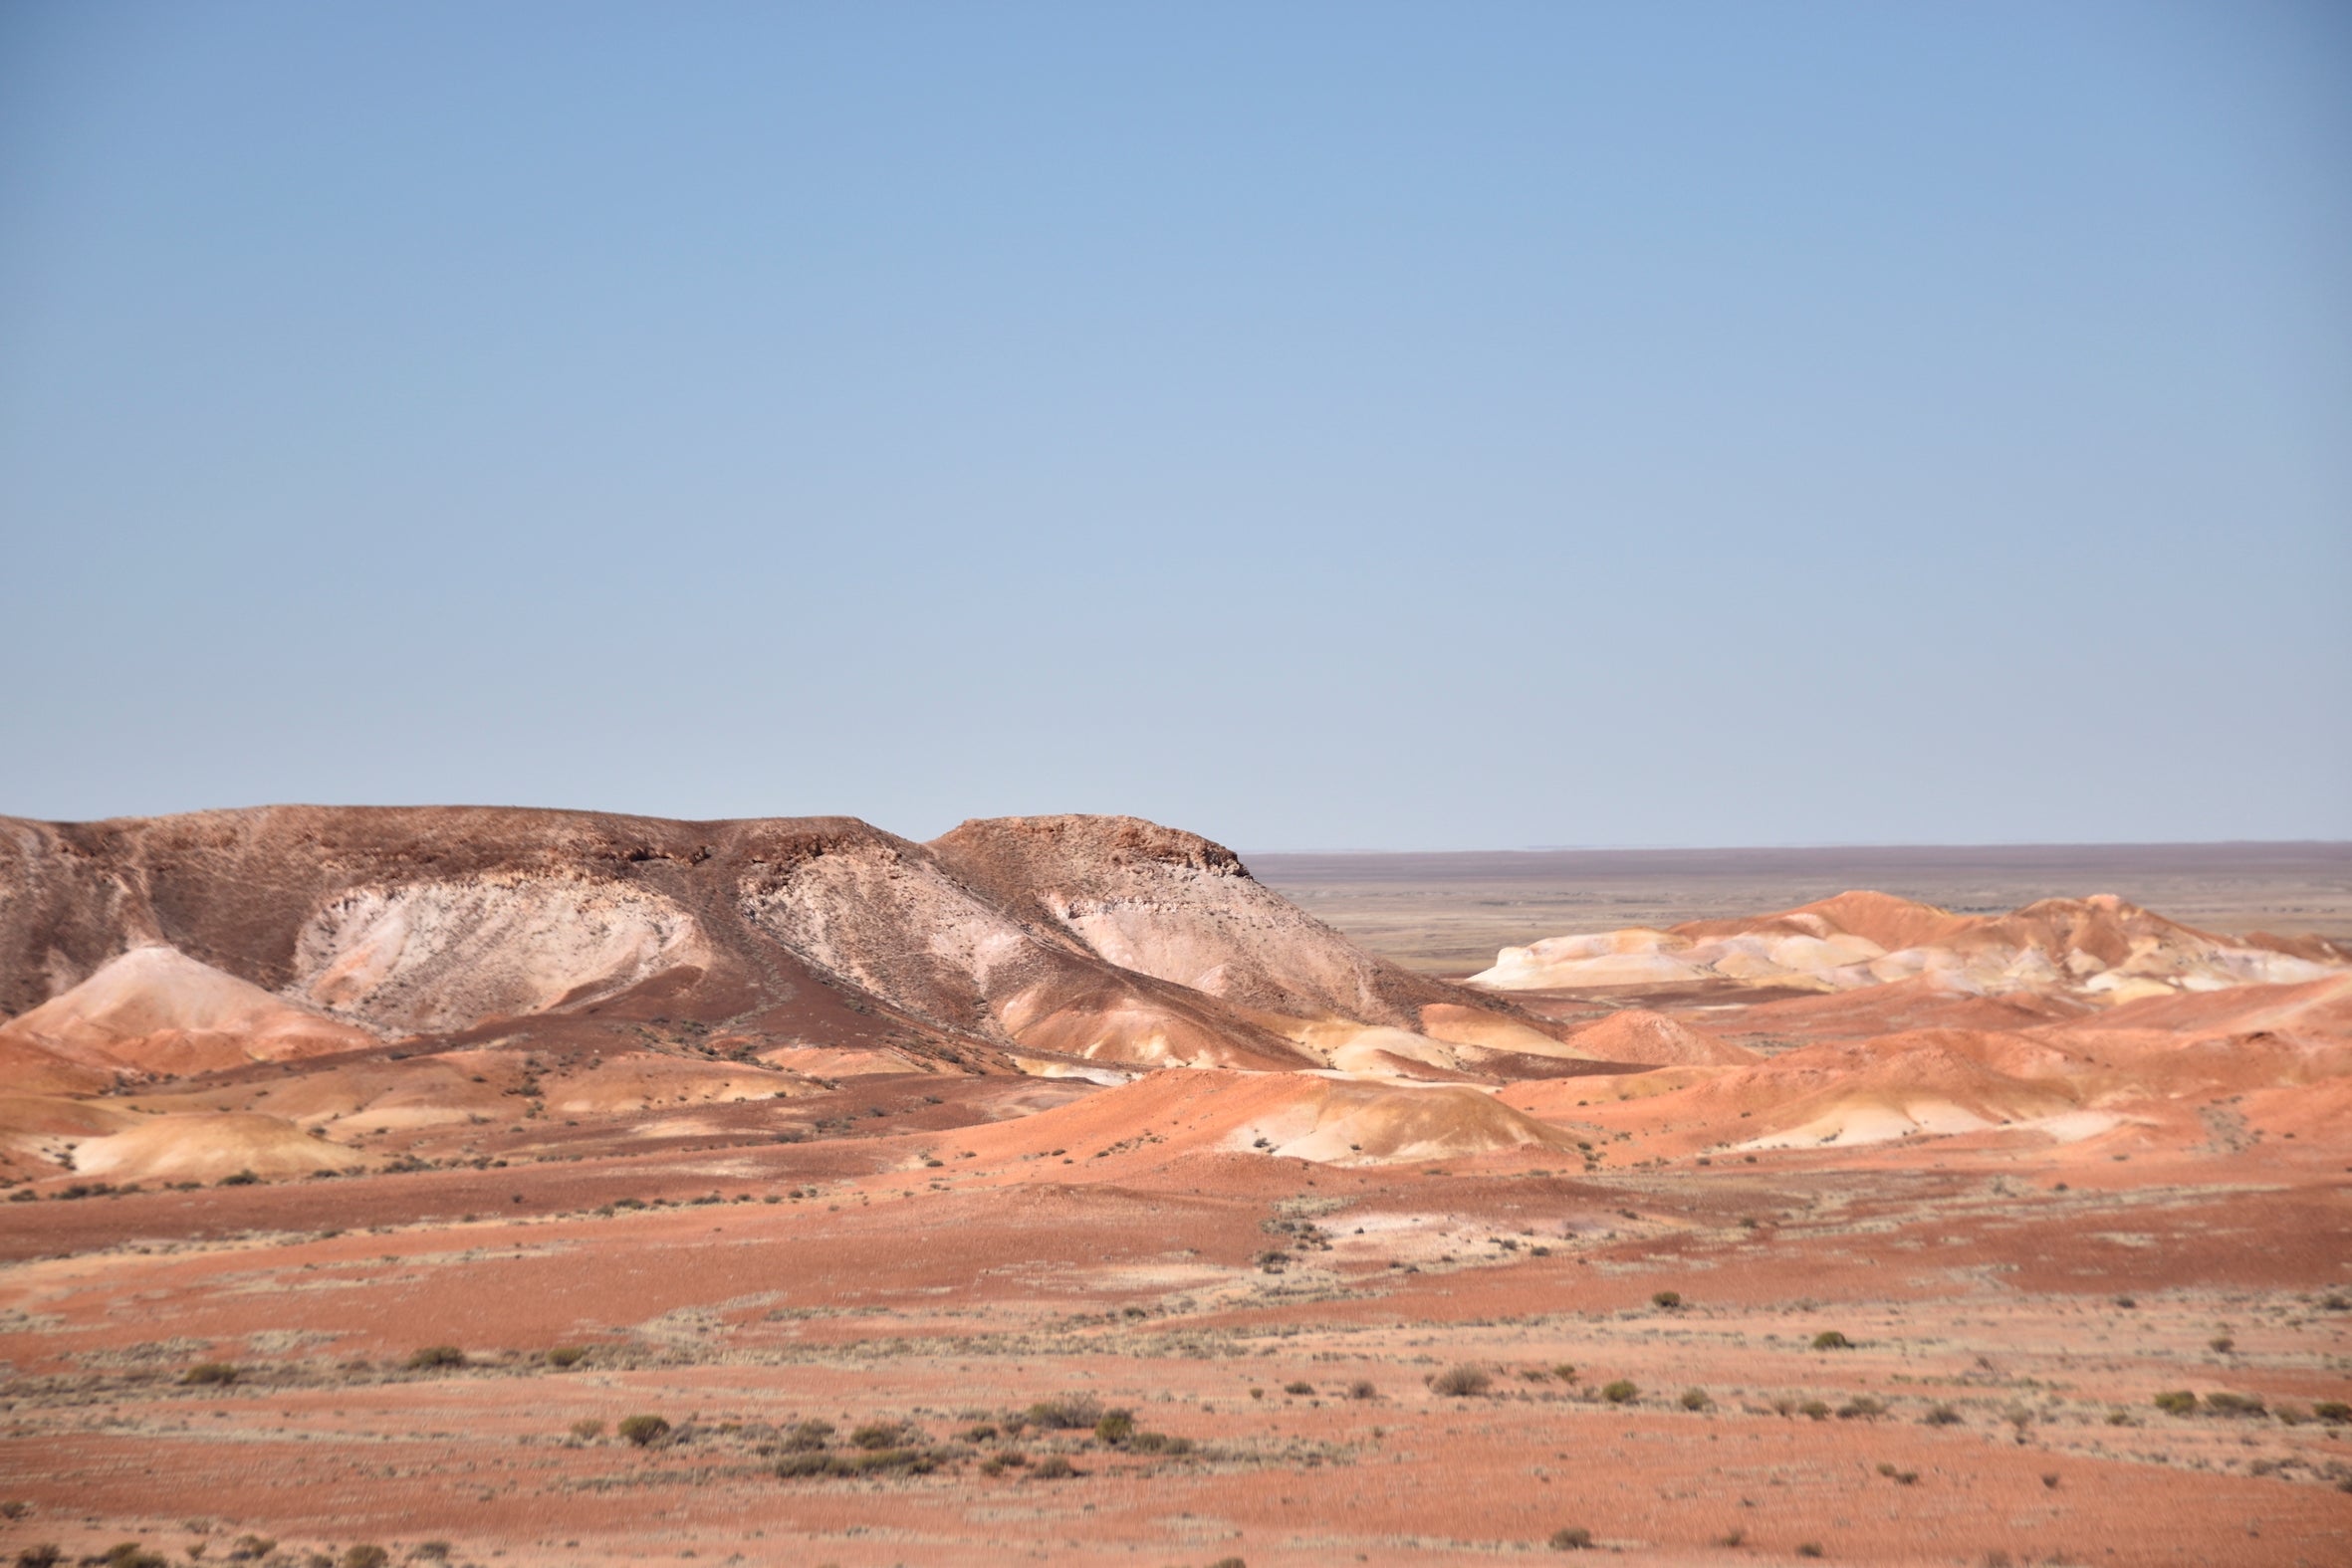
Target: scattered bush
(2179, 1402)
(1362, 1387)
(241, 1179)
(1899, 1478)
(1861, 1404)
(1073, 1412)
(2222, 1344)
(643, 1430)
(130, 1554)
(45, 1555)
(1942, 1416)
(433, 1356)
(1054, 1467)
(1461, 1382)
(1571, 1538)
(1620, 1392)
(366, 1556)
(1229, 1562)
(1831, 1339)
(2332, 1411)
(1116, 1426)
(588, 1430)
(1565, 1371)
(879, 1435)
(2236, 1403)
(1159, 1442)
(1301, 1389)
(210, 1372)
(1694, 1399)
(809, 1434)
(981, 1431)
(251, 1548)
(567, 1356)
(1808, 1549)
(1813, 1409)
(809, 1462)
(1667, 1299)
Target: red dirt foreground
(1978, 1277)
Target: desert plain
(504, 1187)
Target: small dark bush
(1070, 1412)
(251, 1548)
(433, 1356)
(643, 1430)
(2222, 1344)
(1620, 1392)
(210, 1372)
(1362, 1387)
(1831, 1339)
(1808, 1549)
(2179, 1402)
(1861, 1404)
(241, 1179)
(814, 1461)
(567, 1356)
(1813, 1409)
(1462, 1381)
(1694, 1399)
(43, 1555)
(806, 1436)
(1571, 1538)
(1116, 1425)
(1159, 1442)
(365, 1556)
(2332, 1411)
(130, 1554)
(1942, 1416)
(1054, 1468)
(1229, 1562)
(2236, 1404)
(1301, 1389)
(981, 1431)
(1669, 1299)
(1899, 1478)
(876, 1435)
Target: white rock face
(430, 956)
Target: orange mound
(156, 1012)
(207, 1147)
(1637, 1034)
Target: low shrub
(876, 1435)
(814, 1462)
(1565, 1371)
(1666, 1300)
(1808, 1549)
(1694, 1399)
(1461, 1382)
(210, 1372)
(805, 1435)
(1362, 1387)
(567, 1356)
(1159, 1442)
(1299, 1389)
(1070, 1412)
(1116, 1426)
(1620, 1392)
(1899, 1478)
(2236, 1403)
(1813, 1409)
(251, 1548)
(1571, 1538)
(1942, 1416)
(981, 1431)
(2179, 1402)
(643, 1430)
(588, 1430)
(435, 1356)
(241, 1179)
(1863, 1406)
(1831, 1339)
(42, 1555)
(1054, 1467)
(366, 1555)
(2332, 1411)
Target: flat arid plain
(506, 1187)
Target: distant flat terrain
(1449, 912)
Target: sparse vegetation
(1299, 1389)
(2179, 1402)
(365, 1556)
(1900, 1478)
(1116, 1426)
(1666, 1301)
(1694, 1399)
(643, 1431)
(1831, 1339)
(1462, 1381)
(44, 1554)
(210, 1374)
(1362, 1387)
(435, 1357)
(2236, 1403)
(1861, 1407)
(2332, 1411)
(1813, 1409)
(1620, 1392)
(1942, 1416)
(1054, 1467)
(588, 1430)
(567, 1356)
(1075, 1411)
(1571, 1538)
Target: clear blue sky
(1349, 425)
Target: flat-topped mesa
(2100, 949)
(1102, 938)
